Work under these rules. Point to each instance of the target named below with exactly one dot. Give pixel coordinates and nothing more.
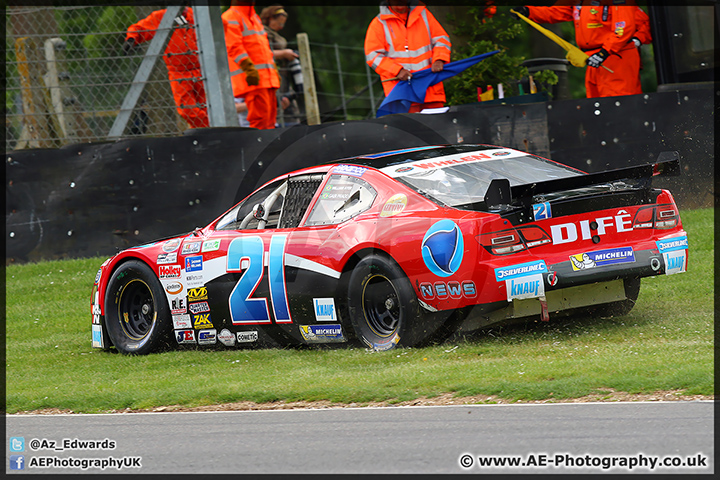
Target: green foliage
(102, 43)
(485, 35)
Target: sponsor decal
(199, 307)
(196, 294)
(193, 264)
(202, 320)
(520, 270)
(403, 169)
(500, 154)
(210, 246)
(181, 321)
(169, 271)
(247, 337)
(671, 244)
(529, 286)
(675, 262)
(167, 258)
(96, 312)
(185, 336)
(325, 309)
(97, 336)
(194, 280)
(97, 276)
(443, 290)
(178, 306)
(174, 288)
(601, 258)
(352, 170)
(226, 337)
(674, 252)
(322, 333)
(570, 232)
(191, 247)
(442, 248)
(207, 337)
(395, 204)
(171, 245)
(542, 211)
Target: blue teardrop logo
(442, 248)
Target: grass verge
(664, 344)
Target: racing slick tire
(137, 316)
(383, 308)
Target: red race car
(397, 249)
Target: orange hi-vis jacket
(245, 37)
(181, 51)
(393, 43)
(596, 26)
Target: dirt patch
(608, 395)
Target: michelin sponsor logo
(322, 333)
(601, 258)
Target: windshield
(463, 178)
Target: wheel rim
(381, 306)
(136, 309)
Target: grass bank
(665, 344)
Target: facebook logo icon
(17, 462)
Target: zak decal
(442, 248)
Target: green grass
(665, 343)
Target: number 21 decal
(250, 253)
(542, 211)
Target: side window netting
(300, 192)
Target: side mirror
(259, 211)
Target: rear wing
(501, 193)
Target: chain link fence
(67, 77)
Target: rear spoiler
(501, 193)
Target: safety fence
(67, 76)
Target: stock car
(397, 249)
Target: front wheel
(137, 315)
(384, 310)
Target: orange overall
(603, 26)
(182, 63)
(246, 39)
(412, 42)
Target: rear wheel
(383, 308)
(137, 315)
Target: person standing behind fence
(181, 59)
(273, 18)
(253, 73)
(605, 32)
(405, 38)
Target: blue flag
(406, 92)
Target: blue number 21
(251, 252)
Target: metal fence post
(370, 89)
(214, 64)
(340, 77)
(311, 104)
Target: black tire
(622, 307)
(137, 315)
(383, 307)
